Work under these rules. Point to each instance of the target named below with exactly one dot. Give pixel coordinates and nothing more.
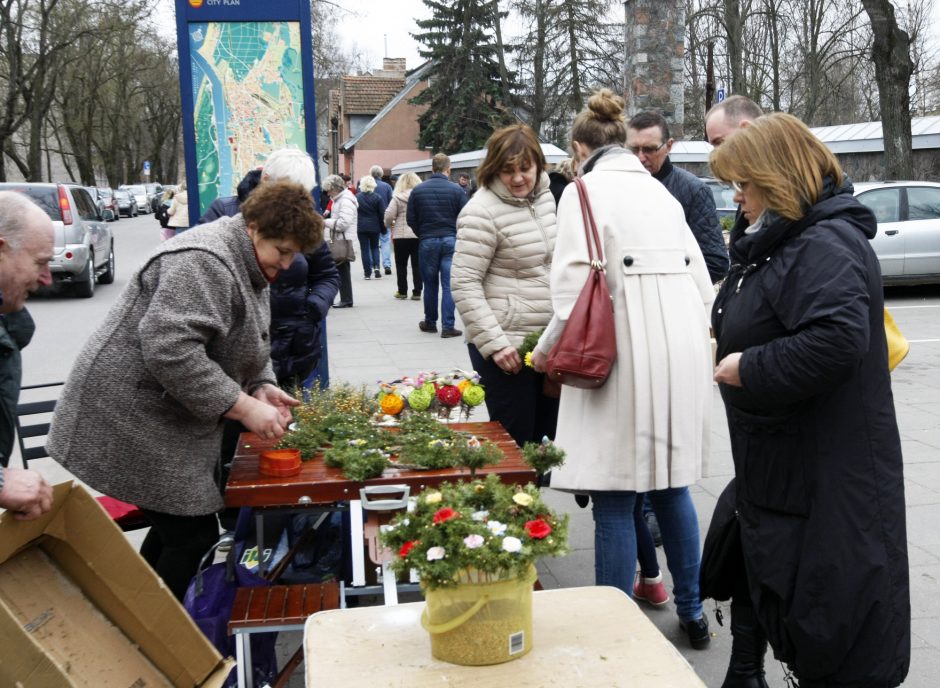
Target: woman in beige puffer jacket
(404, 240)
(500, 279)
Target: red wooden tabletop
(320, 484)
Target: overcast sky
(370, 25)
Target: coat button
(628, 261)
(687, 260)
(264, 336)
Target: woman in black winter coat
(371, 224)
(803, 373)
(300, 299)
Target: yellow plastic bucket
(480, 623)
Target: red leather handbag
(587, 348)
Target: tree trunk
(891, 54)
(734, 27)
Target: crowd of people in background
(222, 321)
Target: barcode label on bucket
(517, 643)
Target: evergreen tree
(467, 98)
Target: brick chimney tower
(655, 49)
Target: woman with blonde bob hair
(500, 278)
(803, 373)
(404, 240)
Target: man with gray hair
(734, 112)
(384, 190)
(26, 240)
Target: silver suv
(84, 247)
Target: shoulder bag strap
(590, 228)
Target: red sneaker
(650, 590)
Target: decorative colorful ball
(420, 399)
(392, 404)
(429, 387)
(449, 395)
(463, 384)
(474, 395)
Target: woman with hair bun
(646, 430)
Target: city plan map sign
(247, 87)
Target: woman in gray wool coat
(187, 344)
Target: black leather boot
(748, 647)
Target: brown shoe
(424, 327)
(450, 333)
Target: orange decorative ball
(392, 404)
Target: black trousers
(405, 249)
(175, 545)
(517, 401)
(345, 283)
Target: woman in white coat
(646, 430)
(341, 224)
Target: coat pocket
(771, 457)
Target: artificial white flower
(479, 516)
(435, 553)
(473, 541)
(522, 498)
(433, 498)
(496, 527)
(510, 544)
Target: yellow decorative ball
(392, 404)
(463, 384)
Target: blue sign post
(720, 95)
(246, 82)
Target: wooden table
(582, 638)
(319, 484)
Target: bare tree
(891, 53)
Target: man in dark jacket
(26, 238)
(648, 138)
(433, 208)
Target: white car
(140, 195)
(908, 240)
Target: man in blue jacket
(432, 213)
(648, 139)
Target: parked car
(154, 192)
(84, 247)
(139, 192)
(908, 239)
(126, 203)
(724, 197)
(104, 197)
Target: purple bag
(209, 599)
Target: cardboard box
(80, 607)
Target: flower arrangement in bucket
(474, 545)
(434, 393)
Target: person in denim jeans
(646, 429)
(433, 208)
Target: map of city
(247, 99)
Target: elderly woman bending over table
(186, 345)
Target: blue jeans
(615, 543)
(369, 248)
(385, 245)
(435, 255)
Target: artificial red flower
(444, 514)
(449, 395)
(537, 529)
(406, 548)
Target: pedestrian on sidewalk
(383, 189)
(505, 240)
(803, 372)
(404, 240)
(370, 223)
(341, 225)
(432, 215)
(647, 428)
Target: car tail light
(64, 206)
